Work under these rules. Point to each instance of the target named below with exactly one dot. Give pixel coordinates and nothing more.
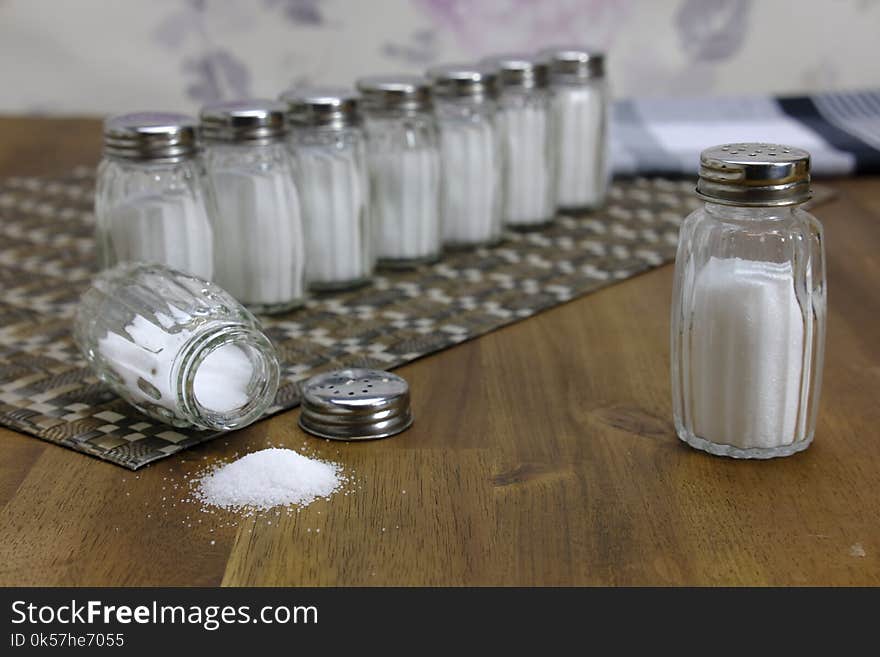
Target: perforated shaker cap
(256, 121)
(355, 404)
(574, 63)
(153, 136)
(409, 93)
(518, 71)
(322, 107)
(474, 81)
(754, 174)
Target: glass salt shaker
(748, 310)
(470, 155)
(177, 347)
(580, 117)
(260, 245)
(528, 199)
(327, 144)
(404, 168)
(150, 202)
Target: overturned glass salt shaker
(177, 347)
(404, 167)
(260, 250)
(150, 200)
(328, 147)
(580, 133)
(470, 155)
(523, 119)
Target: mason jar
(178, 348)
(470, 155)
(528, 195)
(328, 147)
(748, 310)
(150, 201)
(260, 245)
(580, 127)
(404, 168)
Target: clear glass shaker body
(176, 347)
(580, 143)
(748, 330)
(260, 252)
(331, 168)
(529, 196)
(154, 211)
(404, 169)
(470, 165)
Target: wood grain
(542, 453)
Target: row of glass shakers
(267, 198)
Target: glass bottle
(470, 155)
(327, 144)
(528, 199)
(260, 245)
(150, 200)
(748, 310)
(580, 127)
(404, 168)
(177, 347)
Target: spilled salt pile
(268, 478)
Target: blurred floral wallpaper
(100, 56)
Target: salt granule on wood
(268, 478)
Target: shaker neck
(745, 213)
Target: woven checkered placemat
(47, 258)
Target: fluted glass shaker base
(743, 452)
(177, 347)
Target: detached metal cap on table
(355, 404)
(754, 174)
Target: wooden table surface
(543, 453)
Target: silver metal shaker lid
(151, 136)
(411, 93)
(574, 63)
(518, 70)
(754, 174)
(255, 121)
(476, 82)
(325, 107)
(355, 404)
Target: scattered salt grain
(269, 478)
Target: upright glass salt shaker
(580, 118)
(748, 310)
(404, 167)
(260, 245)
(177, 347)
(150, 201)
(529, 198)
(328, 147)
(470, 154)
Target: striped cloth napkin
(665, 136)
